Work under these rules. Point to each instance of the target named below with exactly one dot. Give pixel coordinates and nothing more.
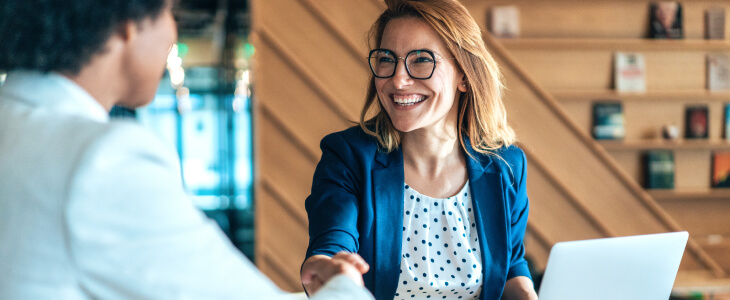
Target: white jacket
(93, 209)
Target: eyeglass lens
(419, 64)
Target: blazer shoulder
(509, 160)
(513, 155)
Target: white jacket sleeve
(341, 287)
(133, 233)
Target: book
(715, 23)
(727, 121)
(696, 122)
(629, 72)
(659, 169)
(504, 21)
(721, 169)
(718, 72)
(665, 20)
(608, 120)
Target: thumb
(307, 276)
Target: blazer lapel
(489, 206)
(388, 194)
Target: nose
(401, 78)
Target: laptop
(636, 267)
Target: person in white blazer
(92, 208)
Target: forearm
(519, 288)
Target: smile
(405, 100)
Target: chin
(136, 103)
(404, 126)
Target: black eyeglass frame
(395, 67)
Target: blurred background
(203, 109)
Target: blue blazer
(356, 205)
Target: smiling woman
(428, 193)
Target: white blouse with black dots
(440, 256)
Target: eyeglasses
(420, 64)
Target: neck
(431, 152)
(102, 91)
(100, 76)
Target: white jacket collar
(53, 92)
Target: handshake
(319, 270)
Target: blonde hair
(482, 116)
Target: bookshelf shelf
(681, 144)
(690, 194)
(659, 95)
(566, 44)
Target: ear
(121, 39)
(128, 31)
(462, 84)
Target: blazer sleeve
(519, 210)
(333, 205)
(133, 232)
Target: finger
(354, 259)
(314, 286)
(340, 266)
(311, 267)
(306, 277)
(321, 269)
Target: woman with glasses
(427, 196)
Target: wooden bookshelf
(656, 95)
(680, 144)
(707, 194)
(561, 44)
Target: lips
(410, 99)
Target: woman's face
(414, 103)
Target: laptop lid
(635, 267)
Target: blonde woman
(427, 196)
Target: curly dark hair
(63, 36)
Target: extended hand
(318, 269)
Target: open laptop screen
(635, 267)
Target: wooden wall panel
(586, 176)
(308, 83)
(275, 240)
(288, 96)
(553, 212)
(341, 71)
(704, 217)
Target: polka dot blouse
(440, 257)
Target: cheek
(378, 90)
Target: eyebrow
(409, 51)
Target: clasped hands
(318, 269)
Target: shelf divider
(568, 44)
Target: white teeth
(408, 100)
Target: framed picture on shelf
(666, 20)
(696, 122)
(718, 72)
(629, 72)
(659, 169)
(715, 23)
(504, 21)
(721, 169)
(608, 120)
